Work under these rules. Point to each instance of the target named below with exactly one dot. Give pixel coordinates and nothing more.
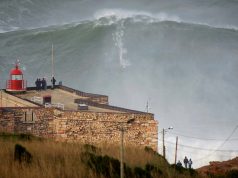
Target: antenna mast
(52, 61)
(147, 106)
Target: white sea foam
(107, 17)
(9, 29)
(122, 51)
(113, 16)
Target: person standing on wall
(53, 82)
(43, 84)
(37, 84)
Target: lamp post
(122, 129)
(163, 133)
(122, 153)
(1, 96)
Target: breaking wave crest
(109, 17)
(113, 24)
(112, 16)
(116, 15)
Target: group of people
(41, 84)
(187, 163)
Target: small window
(16, 77)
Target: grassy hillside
(56, 159)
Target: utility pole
(163, 144)
(52, 64)
(122, 153)
(163, 133)
(1, 98)
(52, 61)
(123, 129)
(176, 150)
(6, 100)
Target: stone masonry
(83, 126)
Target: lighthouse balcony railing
(20, 85)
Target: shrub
(91, 148)
(105, 165)
(153, 169)
(232, 173)
(149, 150)
(179, 169)
(193, 172)
(141, 173)
(21, 154)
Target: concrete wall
(86, 127)
(8, 100)
(100, 99)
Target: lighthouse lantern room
(16, 83)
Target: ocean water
(179, 56)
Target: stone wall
(105, 127)
(18, 120)
(86, 127)
(6, 121)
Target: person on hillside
(179, 164)
(185, 161)
(190, 163)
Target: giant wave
(114, 25)
(113, 16)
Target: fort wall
(83, 126)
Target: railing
(101, 99)
(37, 99)
(56, 105)
(104, 106)
(22, 83)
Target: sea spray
(118, 39)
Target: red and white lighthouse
(16, 83)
